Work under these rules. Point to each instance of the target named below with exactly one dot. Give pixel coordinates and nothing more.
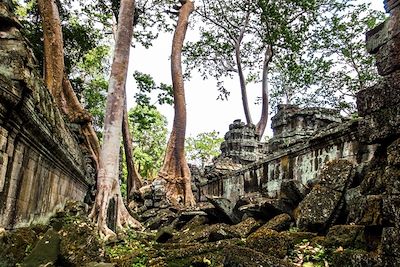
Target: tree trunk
(242, 84)
(56, 80)
(53, 48)
(261, 125)
(175, 169)
(134, 181)
(107, 180)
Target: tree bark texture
(242, 79)
(134, 180)
(57, 81)
(175, 169)
(262, 124)
(53, 48)
(107, 180)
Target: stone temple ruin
(303, 141)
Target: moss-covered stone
(277, 244)
(346, 236)
(15, 245)
(246, 227)
(279, 223)
(355, 258)
(45, 252)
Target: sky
(204, 112)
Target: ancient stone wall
(42, 163)
(300, 161)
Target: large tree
(108, 186)
(332, 65)
(56, 78)
(175, 169)
(249, 38)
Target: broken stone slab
(391, 210)
(391, 242)
(267, 208)
(363, 209)
(393, 153)
(195, 222)
(278, 244)
(346, 236)
(388, 56)
(293, 192)
(237, 256)
(356, 258)
(164, 234)
(336, 175)
(246, 227)
(162, 218)
(382, 95)
(279, 223)
(45, 252)
(319, 209)
(226, 207)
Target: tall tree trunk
(53, 48)
(56, 80)
(242, 79)
(107, 180)
(262, 124)
(243, 88)
(134, 181)
(175, 169)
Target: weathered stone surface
(336, 175)
(391, 4)
(292, 192)
(391, 242)
(246, 227)
(226, 207)
(45, 252)
(292, 125)
(241, 143)
(365, 210)
(15, 245)
(356, 258)
(279, 223)
(323, 205)
(377, 97)
(346, 236)
(240, 257)
(271, 242)
(164, 234)
(393, 153)
(377, 37)
(391, 210)
(205, 233)
(388, 57)
(318, 210)
(380, 125)
(80, 243)
(43, 162)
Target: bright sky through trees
(204, 112)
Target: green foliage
(332, 65)
(203, 148)
(147, 85)
(149, 132)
